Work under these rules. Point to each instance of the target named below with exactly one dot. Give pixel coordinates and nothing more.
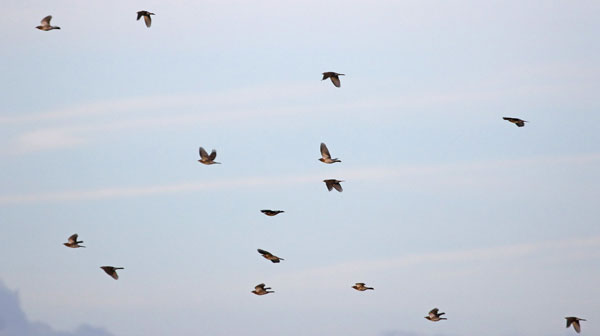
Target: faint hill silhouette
(14, 322)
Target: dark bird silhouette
(262, 290)
(435, 316)
(516, 121)
(146, 16)
(46, 24)
(208, 159)
(335, 77)
(326, 157)
(72, 242)
(575, 322)
(267, 255)
(333, 184)
(272, 212)
(360, 286)
(112, 271)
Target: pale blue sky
(445, 204)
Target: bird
(335, 77)
(326, 157)
(272, 212)
(260, 289)
(46, 24)
(146, 16)
(267, 255)
(516, 121)
(112, 271)
(72, 242)
(575, 322)
(333, 184)
(435, 316)
(208, 159)
(360, 286)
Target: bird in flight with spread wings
(334, 76)
(208, 159)
(326, 156)
(147, 18)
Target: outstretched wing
(434, 312)
(336, 81)
(263, 252)
(324, 151)
(73, 238)
(148, 20)
(46, 21)
(577, 326)
(337, 186)
(203, 154)
(139, 15)
(213, 155)
(260, 287)
(329, 184)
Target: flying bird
(333, 184)
(435, 316)
(267, 255)
(575, 322)
(261, 289)
(335, 77)
(208, 159)
(272, 212)
(73, 243)
(112, 271)
(326, 157)
(46, 24)
(146, 16)
(516, 121)
(360, 286)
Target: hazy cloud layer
(14, 322)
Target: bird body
(112, 271)
(147, 18)
(45, 24)
(272, 212)
(360, 286)
(434, 315)
(326, 156)
(208, 159)
(333, 184)
(269, 256)
(574, 321)
(72, 242)
(260, 289)
(516, 121)
(335, 77)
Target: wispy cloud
(433, 174)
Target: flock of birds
(209, 159)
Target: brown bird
(146, 16)
(46, 24)
(575, 322)
(208, 159)
(360, 286)
(333, 184)
(73, 243)
(335, 77)
(435, 316)
(269, 256)
(112, 271)
(326, 157)
(272, 212)
(516, 121)
(262, 290)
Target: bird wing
(139, 15)
(263, 252)
(73, 238)
(336, 81)
(326, 75)
(203, 154)
(46, 21)
(213, 155)
(434, 312)
(148, 20)
(260, 287)
(577, 326)
(520, 123)
(324, 151)
(569, 321)
(329, 184)
(337, 186)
